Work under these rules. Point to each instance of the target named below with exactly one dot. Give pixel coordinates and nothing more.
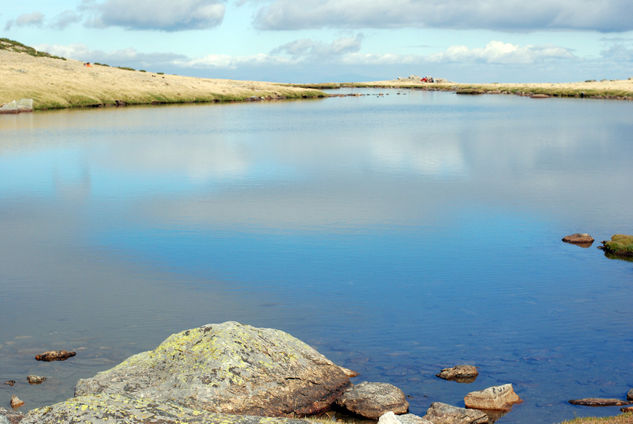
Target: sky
(337, 40)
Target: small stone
(496, 398)
(600, 402)
(448, 414)
(629, 395)
(10, 383)
(55, 355)
(35, 379)
(349, 373)
(391, 418)
(16, 402)
(459, 373)
(371, 400)
(579, 238)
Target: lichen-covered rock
(442, 413)
(391, 418)
(496, 398)
(459, 373)
(229, 368)
(371, 400)
(619, 245)
(124, 409)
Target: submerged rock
(110, 408)
(600, 402)
(496, 398)
(371, 400)
(391, 418)
(581, 239)
(229, 368)
(442, 413)
(35, 379)
(459, 373)
(619, 245)
(55, 355)
(16, 402)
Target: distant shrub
(160, 73)
(101, 64)
(125, 68)
(142, 70)
(590, 80)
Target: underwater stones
(600, 402)
(459, 373)
(55, 355)
(581, 239)
(495, 398)
(229, 368)
(371, 400)
(391, 418)
(619, 245)
(35, 379)
(109, 408)
(16, 402)
(442, 413)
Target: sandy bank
(54, 84)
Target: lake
(397, 234)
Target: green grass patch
(15, 46)
(619, 245)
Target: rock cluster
(496, 398)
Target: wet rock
(371, 400)
(16, 402)
(600, 402)
(55, 355)
(229, 368)
(349, 373)
(442, 413)
(10, 417)
(391, 418)
(35, 379)
(619, 245)
(10, 383)
(627, 409)
(496, 398)
(131, 410)
(629, 395)
(581, 239)
(459, 373)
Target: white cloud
(26, 19)
(65, 18)
(163, 15)
(508, 15)
(500, 52)
(233, 62)
(306, 48)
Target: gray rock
(371, 400)
(441, 413)
(629, 395)
(391, 418)
(496, 398)
(35, 379)
(116, 409)
(459, 373)
(10, 417)
(229, 368)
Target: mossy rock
(619, 245)
(228, 368)
(125, 409)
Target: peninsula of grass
(605, 89)
(56, 83)
(619, 245)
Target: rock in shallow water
(599, 402)
(35, 379)
(459, 373)
(16, 402)
(55, 355)
(391, 418)
(371, 400)
(578, 238)
(442, 413)
(229, 368)
(110, 408)
(496, 398)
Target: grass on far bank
(618, 419)
(54, 83)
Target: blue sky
(338, 40)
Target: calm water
(397, 234)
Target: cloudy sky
(337, 40)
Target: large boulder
(371, 400)
(459, 373)
(115, 409)
(442, 413)
(228, 368)
(496, 398)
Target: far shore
(605, 89)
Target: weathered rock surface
(229, 368)
(600, 402)
(125, 409)
(629, 395)
(442, 413)
(35, 379)
(371, 400)
(349, 373)
(582, 239)
(16, 402)
(55, 355)
(496, 398)
(391, 418)
(619, 245)
(10, 417)
(459, 373)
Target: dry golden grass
(619, 419)
(55, 83)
